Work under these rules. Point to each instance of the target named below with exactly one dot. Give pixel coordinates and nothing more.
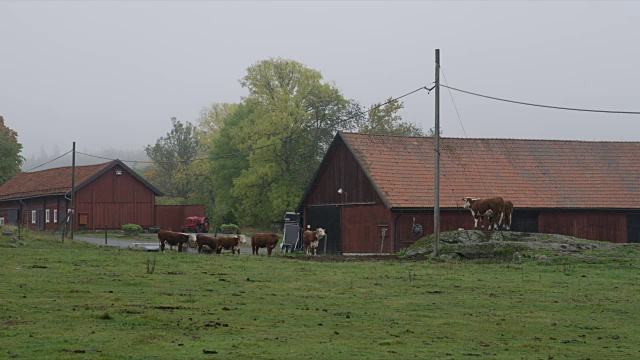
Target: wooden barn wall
(111, 201)
(173, 217)
(341, 171)
(591, 225)
(361, 229)
(449, 220)
(40, 205)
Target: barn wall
(449, 220)
(173, 217)
(111, 201)
(591, 225)
(341, 171)
(362, 229)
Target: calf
(260, 240)
(491, 208)
(311, 239)
(508, 213)
(174, 238)
(230, 243)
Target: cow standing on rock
(311, 240)
(260, 240)
(492, 208)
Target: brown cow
(202, 240)
(507, 214)
(174, 238)
(491, 208)
(230, 243)
(260, 240)
(311, 239)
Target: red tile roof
(47, 182)
(530, 173)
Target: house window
(33, 216)
(47, 216)
(1, 221)
(55, 216)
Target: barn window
(1, 221)
(55, 216)
(33, 216)
(47, 216)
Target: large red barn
(377, 191)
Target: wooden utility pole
(73, 188)
(436, 189)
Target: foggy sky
(112, 74)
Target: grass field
(78, 301)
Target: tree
(175, 168)
(290, 118)
(385, 120)
(10, 148)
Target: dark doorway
(40, 213)
(524, 221)
(328, 218)
(633, 228)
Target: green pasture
(78, 301)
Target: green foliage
(102, 302)
(132, 229)
(175, 170)
(10, 148)
(230, 229)
(385, 120)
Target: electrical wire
(543, 106)
(52, 160)
(289, 138)
(454, 103)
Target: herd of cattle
(311, 240)
(498, 211)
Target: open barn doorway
(633, 228)
(328, 218)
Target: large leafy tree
(176, 167)
(385, 120)
(293, 117)
(10, 148)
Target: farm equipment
(196, 224)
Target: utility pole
(436, 190)
(73, 188)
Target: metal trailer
(291, 239)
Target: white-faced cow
(508, 213)
(491, 208)
(230, 243)
(311, 239)
(174, 238)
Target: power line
(289, 138)
(454, 103)
(52, 160)
(544, 106)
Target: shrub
(132, 229)
(229, 229)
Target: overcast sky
(112, 74)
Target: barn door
(328, 218)
(524, 221)
(633, 228)
(12, 217)
(40, 219)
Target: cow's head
(468, 201)
(320, 233)
(242, 239)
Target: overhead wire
(541, 105)
(289, 138)
(50, 161)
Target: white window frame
(55, 216)
(33, 216)
(47, 216)
(1, 221)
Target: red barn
(107, 195)
(374, 192)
